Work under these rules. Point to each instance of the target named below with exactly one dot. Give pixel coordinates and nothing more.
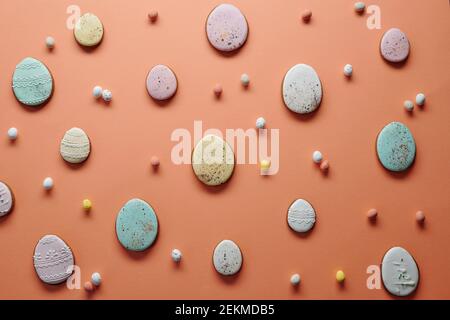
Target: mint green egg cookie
(32, 82)
(136, 225)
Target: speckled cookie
(394, 46)
(213, 160)
(399, 272)
(227, 258)
(226, 28)
(32, 82)
(88, 30)
(301, 216)
(75, 146)
(396, 148)
(161, 82)
(136, 225)
(6, 199)
(53, 260)
(302, 90)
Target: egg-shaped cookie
(161, 82)
(75, 146)
(88, 30)
(301, 216)
(213, 160)
(32, 82)
(394, 45)
(6, 199)
(227, 258)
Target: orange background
(250, 209)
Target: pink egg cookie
(6, 199)
(53, 260)
(226, 28)
(394, 45)
(161, 82)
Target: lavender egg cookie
(161, 82)
(394, 46)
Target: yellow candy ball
(340, 276)
(265, 164)
(87, 204)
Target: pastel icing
(161, 82)
(227, 258)
(53, 260)
(136, 225)
(32, 82)
(399, 272)
(6, 199)
(226, 28)
(75, 146)
(302, 89)
(394, 45)
(213, 160)
(88, 30)
(396, 148)
(301, 216)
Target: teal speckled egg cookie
(396, 147)
(32, 82)
(136, 225)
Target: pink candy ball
(153, 15)
(88, 286)
(154, 161)
(420, 216)
(324, 166)
(306, 15)
(372, 213)
(218, 90)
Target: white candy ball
(420, 99)
(245, 80)
(12, 134)
(97, 92)
(260, 123)
(359, 7)
(107, 95)
(96, 279)
(50, 42)
(409, 105)
(48, 183)
(295, 279)
(176, 255)
(348, 70)
(317, 156)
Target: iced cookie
(75, 146)
(302, 90)
(226, 28)
(32, 82)
(213, 160)
(53, 260)
(136, 225)
(227, 258)
(396, 147)
(6, 199)
(88, 30)
(394, 46)
(399, 272)
(161, 82)
(301, 216)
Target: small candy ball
(348, 70)
(306, 15)
(317, 156)
(218, 89)
(340, 276)
(420, 99)
(50, 42)
(245, 80)
(176, 255)
(87, 204)
(153, 15)
(265, 164)
(154, 161)
(97, 92)
(359, 7)
(295, 279)
(88, 286)
(96, 279)
(409, 105)
(12, 134)
(372, 213)
(324, 166)
(107, 95)
(420, 216)
(48, 183)
(260, 123)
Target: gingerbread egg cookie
(75, 146)
(227, 258)
(6, 199)
(226, 28)
(213, 160)
(394, 46)
(88, 30)
(301, 216)
(161, 82)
